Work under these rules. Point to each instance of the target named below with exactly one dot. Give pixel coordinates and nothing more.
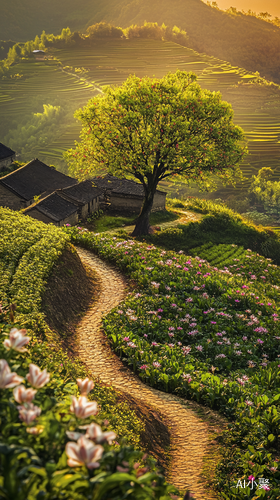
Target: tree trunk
(143, 222)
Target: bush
(218, 222)
(258, 218)
(238, 203)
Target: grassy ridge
(219, 225)
(28, 251)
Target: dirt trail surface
(185, 217)
(189, 433)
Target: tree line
(93, 34)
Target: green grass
(108, 222)
(220, 225)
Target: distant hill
(37, 108)
(243, 40)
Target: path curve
(189, 434)
(186, 216)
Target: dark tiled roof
(36, 178)
(120, 186)
(130, 188)
(108, 182)
(82, 192)
(5, 152)
(54, 206)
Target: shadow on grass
(110, 221)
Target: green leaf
(271, 438)
(66, 479)
(39, 471)
(111, 482)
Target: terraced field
(256, 107)
(43, 83)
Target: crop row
(28, 252)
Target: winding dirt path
(186, 216)
(189, 433)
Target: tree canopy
(151, 129)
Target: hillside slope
(240, 39)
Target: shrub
(238, 203)
(258, 218)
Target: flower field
(207, 334)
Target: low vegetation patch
(210, 335)
(28, 252)
(109, 221)
(220, 224)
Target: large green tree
(151, 129)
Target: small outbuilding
(17, 189)
(131, 196)
(7, 157)
(85, 195)
(54, 209)
(39, 54)
(106, 184)
(126, 195)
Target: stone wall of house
(84, 211)
(133, 204)
(125, 202)
(72, 219)
(35, 214)
(6, 162)
(89, 208)
(159, 202)
(9, 199)
(95, 204)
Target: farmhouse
(126, 195)
(7, 157)
(106, 184)
(17, 189)
(39, 54)
(54, 209)
(84, 195)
